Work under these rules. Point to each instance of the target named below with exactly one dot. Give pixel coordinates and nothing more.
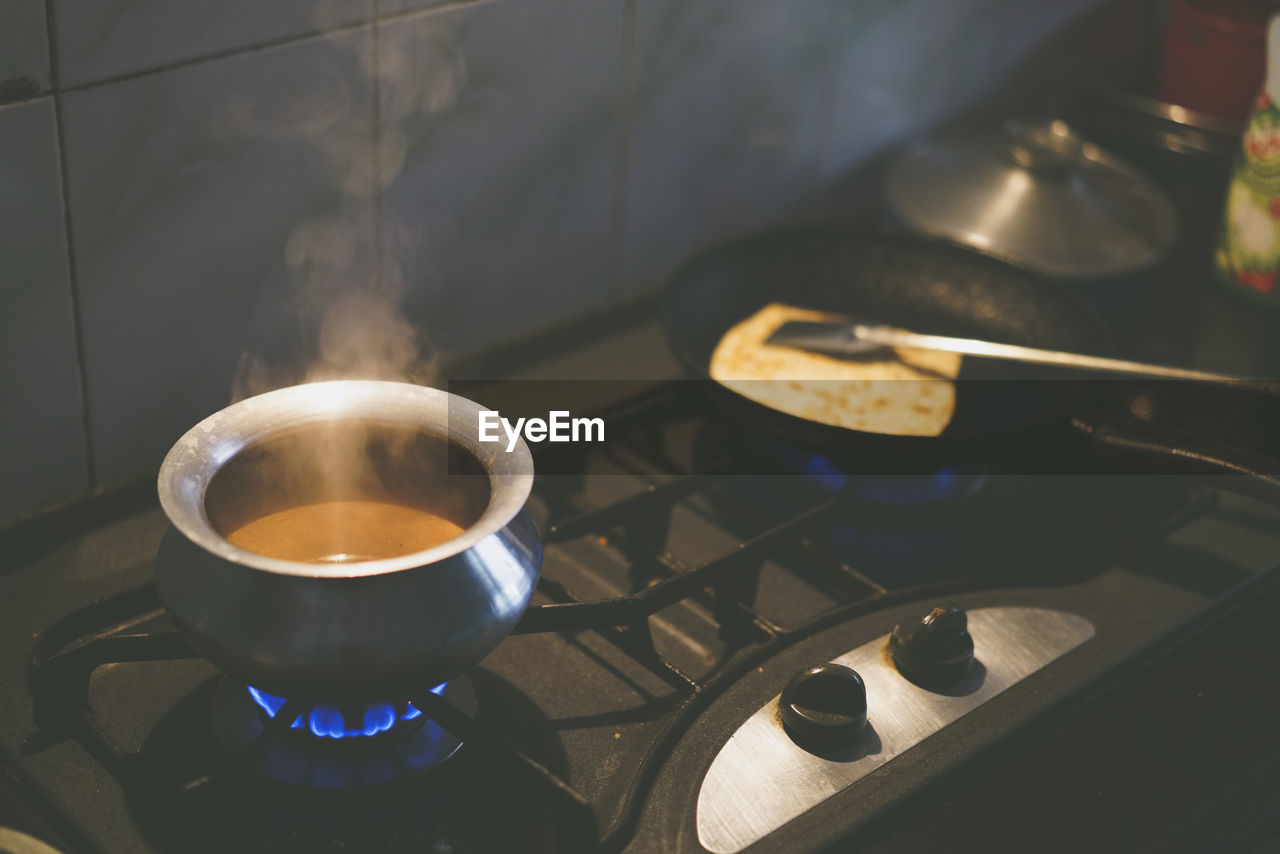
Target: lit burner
(344, 746)
(946, 484)
(816, 468)
(329, 721)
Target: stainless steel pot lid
(1036, 194)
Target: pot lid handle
(1045, 146)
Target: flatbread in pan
(908, 393)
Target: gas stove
(682, 679)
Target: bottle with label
(1248, 254)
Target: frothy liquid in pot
(344, 531)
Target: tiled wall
(185, 183)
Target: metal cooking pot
(329, 631)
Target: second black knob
(934, 649)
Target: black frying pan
(926, 286)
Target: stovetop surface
(733, 583)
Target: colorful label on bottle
(1248, 254)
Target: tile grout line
(624, 117)
(258, 47)
(203, 58)
(73, 279)
(424, 11)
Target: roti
(904, 393)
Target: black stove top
(677, 599)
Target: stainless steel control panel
(761, 779)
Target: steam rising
(345, 317)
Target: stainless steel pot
(329, 631)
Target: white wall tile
(731, 104)
(498, 148)
(24, 50)
(42, 436)
(205, 201)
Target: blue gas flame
(816, 468)
(328, 722)
(888, 490)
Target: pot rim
(196, 458)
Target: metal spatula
(851, 339)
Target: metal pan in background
(1041, 196)
(928, 286)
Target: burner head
(334, 746)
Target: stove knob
(824, 706)
(935, 649)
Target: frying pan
(927, 286)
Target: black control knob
(824, 706)
(935, 649)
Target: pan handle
(1172, 452)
